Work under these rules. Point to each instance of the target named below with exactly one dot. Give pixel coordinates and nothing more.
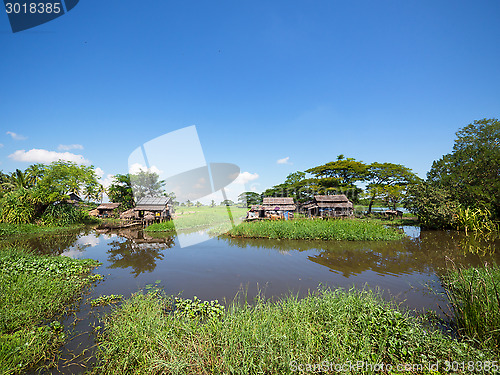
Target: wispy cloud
(70, 147)
(284, 160)
(36, 155)
(245, 177)
(136, 168)
(1, 145)
(17, 137)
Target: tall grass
(32, 290)
(305, 229)
(144, 337)
(474, 294)
(476, 220)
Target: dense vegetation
(475, 297)
(40, 194)
(305, 229)
(271, 337)
(33, 291)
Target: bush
(434, 207)
(16, 207)
(64, 214)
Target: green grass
(317, 229)
(144, 337)
(194, 217)
(474, 294)
(16, 229)
(33, 290)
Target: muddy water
(406, 271)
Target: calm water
(405, 270)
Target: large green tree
(471, 172)
(249, 198)
(387, 182)
(146, 184)
(340, 176)
(120, 191)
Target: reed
(474, 294)
(317, 229)
(144, 336)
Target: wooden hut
(281, 207)
(159, 207)
(328, 206)
(107, 209)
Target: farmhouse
(157, 208)
(107, 209)
(273, 206)
(328, 206)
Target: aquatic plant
(198, 309)
(477, 220)
(474, 294)
(106, 300)
(306, 229)
(272, 337)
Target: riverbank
(317, 229)
(34, 291)
(273, 337)
(21, 229)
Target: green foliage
(475, 300)
(62, 177)
(387, 182)
(32, 289)
(17, 207)
(106, 300)
(306, 229)
(271, 337)
(146, 184)
(120, 191)
(434, 207)
(65, 214)
(198, 309)
(249, 198)
(471, 173)
(477, 220)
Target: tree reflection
(139, 251)
(429, 253)
(47, 244)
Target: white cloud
(284, 160)
(99, 172)
(246, 177)
(136, 168)
(70, 147)
(36, 155)
(17, 137)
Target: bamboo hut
(107, 209)
(281, 207)
(328, 206)
(159, 207)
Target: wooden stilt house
(272, 207)
(107, 209)
(158, 207)
(328, 206)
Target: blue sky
(386, 81)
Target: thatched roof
(128, 214)
(270, 201)
(152, 204)
(94, 212)
(108, 206)
(331, 198)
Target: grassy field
(280, 337)
(194, 217)
(34, 290)
(16, 229)
(475, 298)
(306, 229)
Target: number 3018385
(33, 8)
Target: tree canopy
(471, 172)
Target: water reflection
(427, 253)
(139, 251)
